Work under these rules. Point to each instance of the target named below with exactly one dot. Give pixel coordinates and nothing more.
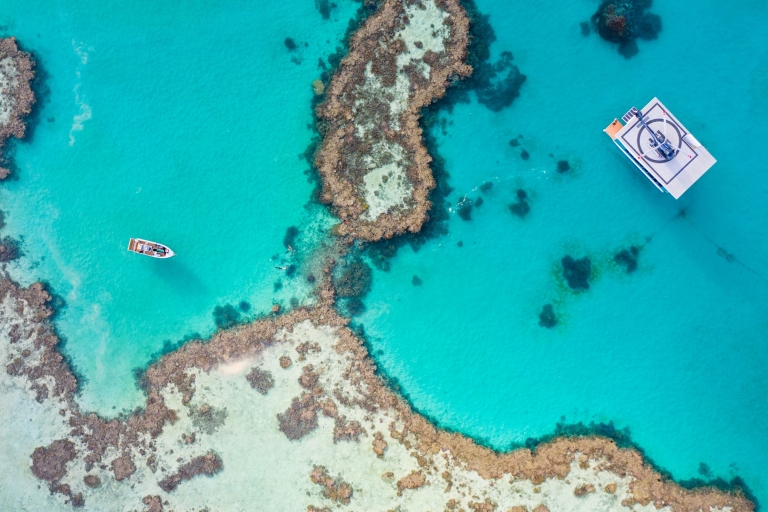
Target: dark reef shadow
(179, 276)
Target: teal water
(675, 351)
(180, 125)
(185, 125)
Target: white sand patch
(427, 26)
(386, 186)
(9, 80)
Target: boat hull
(150, 249)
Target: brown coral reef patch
(366, 128)
(208, 464)
(335, 489)
(16, 97)
(49, 463)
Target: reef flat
(286, 413)
(16, 96)
(372, 161)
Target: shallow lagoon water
(675, 351)
(183, 126)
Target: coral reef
(498, 84)
(464, 208)
(335, 489)
(261, 380)
(521, 208)
(413, 480)
(300, 418)
(624, 22)
(208, 464)
(9, 249)
(354, 280)
(372, 161)
(123, 467)
(49, 463)
(563, 166)
(627, 258)
(547, 316)
(577, 272)
(16, 96)
(226, 316)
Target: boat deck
(676, 175)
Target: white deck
(677, 175)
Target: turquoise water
(183, 126)
(675, 351)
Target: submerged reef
(521, 208)
(16, 96)
(226, 316)
(627, 258)
(547, 316)
(499, 83)
(207, 464)
(624, 22)
(372, 160)
(260, 380)
(577, 272)
(464, 208)
(9, 249)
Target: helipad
(661, 147)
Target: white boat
(151, 249)
(660, 146)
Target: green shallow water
(182, 126)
